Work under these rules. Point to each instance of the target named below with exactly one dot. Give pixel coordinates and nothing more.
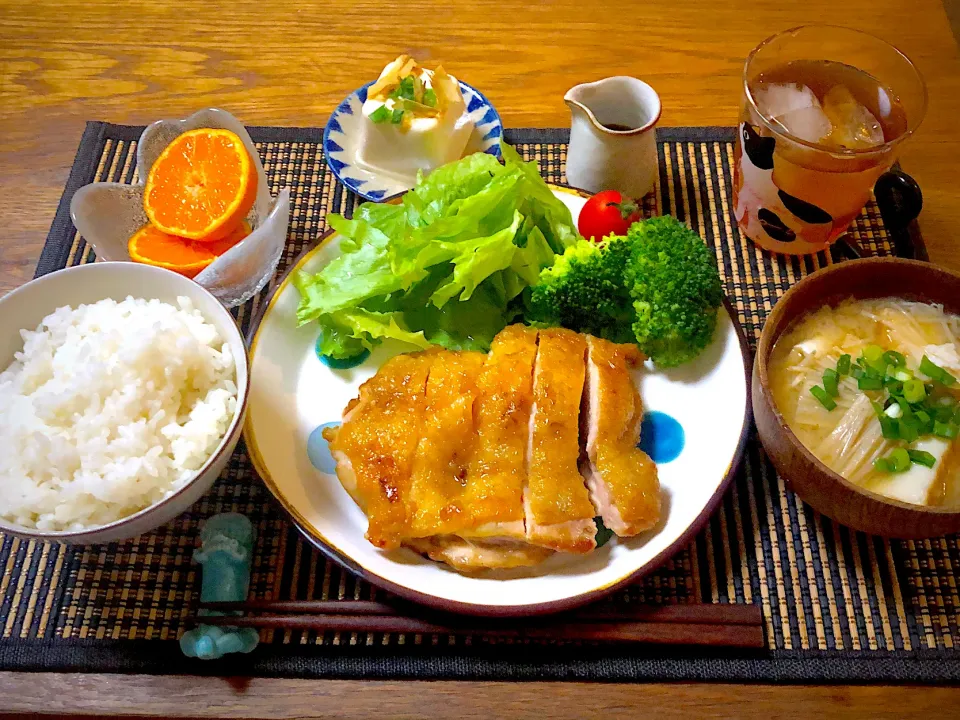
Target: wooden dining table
(63, 62)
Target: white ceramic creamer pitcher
(612, 137)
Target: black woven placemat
(838, 605)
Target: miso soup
(871, 388)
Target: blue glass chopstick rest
(225, 553)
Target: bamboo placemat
(837, 605)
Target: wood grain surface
(63, 62)
(190, 697)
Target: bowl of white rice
(122, 394)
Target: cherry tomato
(607, 213)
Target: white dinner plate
(293, 394)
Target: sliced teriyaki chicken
(559, 514)
(621, 478)
(375, 445)
(439, 474)
(474, 460)
(474, 554)
(467, 481)
(498, 466)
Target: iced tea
(814, 137)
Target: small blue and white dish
(343, 134)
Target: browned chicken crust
(622, 479)
(558, 509)
(488, 461)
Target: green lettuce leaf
(448, 265)
(347, 333)
(477, 260)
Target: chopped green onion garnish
(893, 385)
(831, 382)
(397, 117)
(889, 427)
(843, 365)
(892, 357)
(946, 430)
(872, 353)
(935, 372)
(914, 391)
(896, 461)
(820, 394)
(909, 432)
(429, 97)
(922, 457)
(406, 90)
(900, 459)
(380, 115)
(909, 426)
(943, 414)
(907, 406)
(930, 368)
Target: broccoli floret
(586, 289)
(658, 287)
(676, 290)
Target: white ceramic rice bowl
(26, 307)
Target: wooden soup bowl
(814, 482)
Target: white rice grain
(108, 409)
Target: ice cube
(809, 123)
(795, 108)
(854, 126)
(778, 99)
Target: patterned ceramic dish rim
(351, 184)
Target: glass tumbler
(823, 114)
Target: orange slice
(202, 185)
(152, 246)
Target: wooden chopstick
(739, 626)
(673, 633)
(694, 613)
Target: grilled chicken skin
(558, 510)
(499, 460)
(482, 524)
(621, 478)
(439, 474)
(498, 465)
(375, 445)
